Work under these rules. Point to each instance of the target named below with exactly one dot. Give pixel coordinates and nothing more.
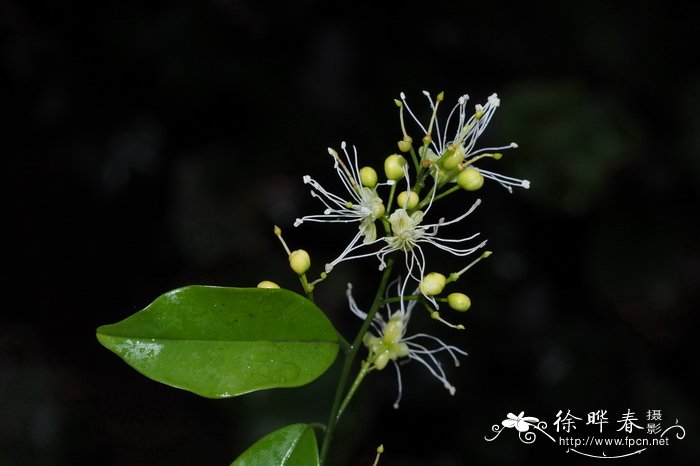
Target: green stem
(349, 359)
(318, 426)
(364, 370)
(391, 198)
(344, 345)
(423, 172)
(396, 299)
(385, 219)
(305, 284)
(426, 201)
(415, 159)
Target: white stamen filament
(468, 132)
(416, 351)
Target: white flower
(390, 343)
(365, 206)
(465, 136)
(409, 234)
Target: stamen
(380, 450)
(458, 219)
(353, 305)
(400, 385)
(401, 119)
(416, 351)
(505, 181)
(460, 102)
(403, 98)
(433, 118)
(456, 275)
(451, 350)
(278, 233)
(436, 315)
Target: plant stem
(415, 159)
(338, 403)
(447, 192)
(364, 370)
(344, 345)
(391, 197)
(305, 285)
(396, 299)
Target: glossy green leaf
(293, 445)
(221, 342)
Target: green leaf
(221, 342)
(293, 445)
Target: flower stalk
(340, 401)
(442, 162)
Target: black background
(150, 146)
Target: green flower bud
(459, 301)
(299, 261)
(393, 167)
(381, 360)
(432, 284)
(267, 284)
(373, 343)
(368, 177)
(404, 146)
(412, 200)
(453, 157)
(392, 331)
(470, 179)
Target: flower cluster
(443, 164)
(461, 151)
(393, 219)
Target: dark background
(147, 147)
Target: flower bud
(404, 146)
(459, 301)
(381, 360)
(393, 167)
(393, 331)
(299, 261)
(452, 157)
(411, 197)
(470, 179)
(368, 177)
(432, 284)
(267, 284)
